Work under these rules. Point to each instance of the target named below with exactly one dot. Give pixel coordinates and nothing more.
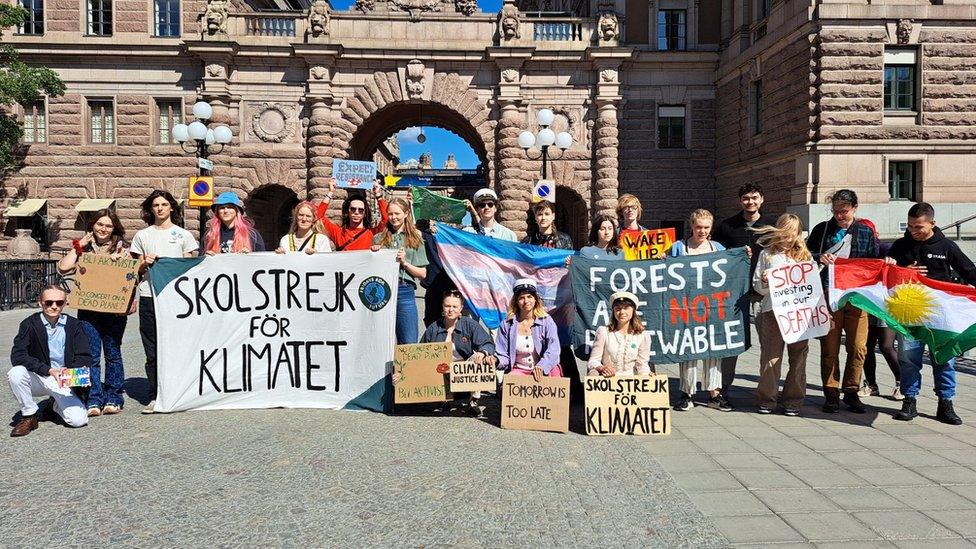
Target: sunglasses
(52, 302)
(357, 210)
(452, 293)
(486, 204)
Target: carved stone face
(510, 27)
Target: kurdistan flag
(941, 314)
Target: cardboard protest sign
(798, 301)
(75, 377)
(542, 406)
(693, 306)
(649, 244)
(353, 174)
(627, 405)
(275, 331)
(419, 373)
(104, 285)
(468, 376)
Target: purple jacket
(544, 337)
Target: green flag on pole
(429, 205)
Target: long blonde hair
(316, 223)
(412, 237)
(785, 237)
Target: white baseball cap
(482, 193)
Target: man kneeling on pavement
(46, 343)
(925, 249)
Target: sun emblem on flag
(910, 303)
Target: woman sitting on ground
(621, 348)
(527, 342)
(469, 340)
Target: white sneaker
(896, 395)
(150, 408)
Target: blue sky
(490, 6)
(439, 143)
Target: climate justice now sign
(263, 330)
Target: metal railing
(958, 225)
(21, 280)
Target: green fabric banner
(429, 205)
(693, 307)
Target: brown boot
(24, 426)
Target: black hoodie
(938, 254)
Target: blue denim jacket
(468, 337)
(544, 337)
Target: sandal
(93, 412)
(111, 409)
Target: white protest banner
(627, 405)
(353, 174)
(263, 330)
(798, 301)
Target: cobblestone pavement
(308, 477)
(327, 478)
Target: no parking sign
(200, 191)
(544, 189)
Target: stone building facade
(676, 101)
(876, 96)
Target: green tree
(19, 83)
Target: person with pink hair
(229, 230)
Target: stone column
(319, 145)
(515, 188)
(605, 153)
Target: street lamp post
(198, 138)
(545, 138)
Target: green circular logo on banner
(375, 293)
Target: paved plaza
(338, 479)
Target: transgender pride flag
(485, 269)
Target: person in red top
(357, 230)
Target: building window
(671, 30)
(899, 80)
(671, 127)
(764, 7)
(34, 22)
(167, 17)
(757, 107)
(901, 180)
(100, 17)
(101, 116)
(35, 123)
(170, 114)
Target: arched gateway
(387, 65)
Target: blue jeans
(105, 333)
(407, 329)
(910, 361)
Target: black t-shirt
(227, 240)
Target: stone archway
(270, 208)
(374, 111)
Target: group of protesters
(526, 343)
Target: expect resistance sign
(692, 307)
(263, 330)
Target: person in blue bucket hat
(229, 230)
